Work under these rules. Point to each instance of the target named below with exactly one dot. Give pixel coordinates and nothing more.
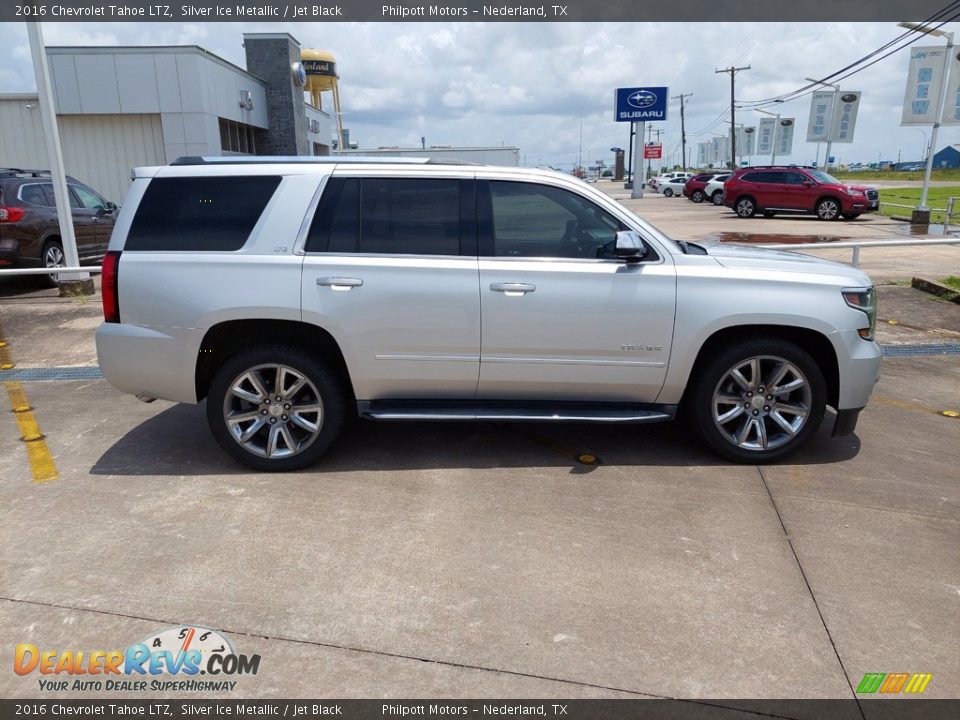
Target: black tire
(716, 371)
(717, 197)
(745, 207)
(828, 209)
(332, 399)
(51, 247)
(698, 196)
(668, 192)
(768, 213)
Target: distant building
(949, 157)
(507, 156)
(123, 107)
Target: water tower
(321, 70)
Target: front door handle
(340, 283)
(512, 289)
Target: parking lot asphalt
(484, 560)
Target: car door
(391, 272)
(101, 221)
(797, 194)
(561, 318)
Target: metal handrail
(94, 269)
(855, 245)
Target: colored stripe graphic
(918, 682)
(870, 683)
(894, 682)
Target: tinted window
(540, 221)
(388, 216)
(33, 194)
(795, 178)
(764, 177)
(88, 199)
(204, 213)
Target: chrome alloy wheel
(761, 403)
(828, 209)
(273, 411)
(53, 257)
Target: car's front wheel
(828, 209)
(746, 207)
(717, 197)
(275, 408)
(697, 196)
(758, 401)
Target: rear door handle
(513, 289)
(340, 283)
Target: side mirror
(111, 207)
(808, 183)
(629, 246)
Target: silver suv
(292, 293)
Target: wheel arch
(813, 342)
(227, 338)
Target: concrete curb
(935, 288)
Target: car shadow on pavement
(177, 441)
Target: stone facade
(271, 57)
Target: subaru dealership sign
(641, 104)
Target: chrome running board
(516, 412)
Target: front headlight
(865, 300)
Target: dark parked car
(693, 188)
(29, 231)
(794, 189)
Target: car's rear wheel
(746, 207)
(759, 401)
(828, 209)
(717, 197)
(53, 257)
(668, 192)
(275, 407)
(697, 196)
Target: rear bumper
(149, 362)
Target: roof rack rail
(310, 160)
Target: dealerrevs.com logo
(172, 659)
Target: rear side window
(389, 216)
(202, 213)
(33, 194)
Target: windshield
(825, 178)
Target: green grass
(952, 281)
(936, 198)
(895, 175)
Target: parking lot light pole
(833, 110)
(922, 213)
(72, 283)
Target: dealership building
(122, 107)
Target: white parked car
(656, 180)
(301, 291)
(671, 187)
(714, 189)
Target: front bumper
(859, 366)
(846, 422)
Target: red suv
(770, 190)
(693, 188)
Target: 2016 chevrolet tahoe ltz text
(291, 293)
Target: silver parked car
(293, 292)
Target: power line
(683, 127)
(733, 111)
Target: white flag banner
(784, 142)
(702, 154)
(924, 78)
(746, 141)
(818, 127)
(951, 108)
(845, 117)
(765, 133)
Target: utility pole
(683, 127)
(733, 112)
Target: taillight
(10, 214)
(108, 287)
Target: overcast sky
(527, 84)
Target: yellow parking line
(41, 462)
